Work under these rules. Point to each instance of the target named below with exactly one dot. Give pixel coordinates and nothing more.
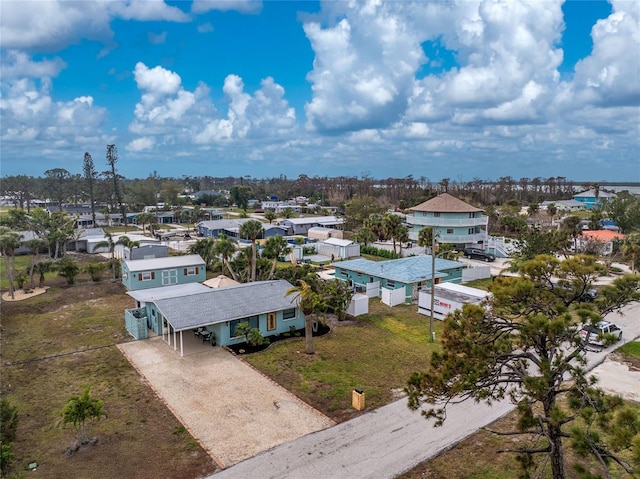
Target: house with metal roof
(410, 275)
(337, 248)
(301, 226)
(156, 272)
(454, 221)
(215, 313)
(593, 198)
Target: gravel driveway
(234, 411)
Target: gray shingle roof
(160, 263)
(226, 304)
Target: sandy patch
(234, 411)
(619, 378)
(19, 294)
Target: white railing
(447, 222)
(502, 245)
(457, 239)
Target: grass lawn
(631, 349)
(376, 353)
(53, 346)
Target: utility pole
(433, 282)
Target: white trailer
(448, 297)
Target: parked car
(596, 334)
(589, 295)
(477, 253)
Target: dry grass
(55, 344)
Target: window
(391, 284)
(289, 313)
(472, 215)
(436, 215)
(449, 231)
(359, 275)
(125, 276)
(191, 271)
(252, 320)
(146, 276)
(472, 231)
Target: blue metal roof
(406, 270)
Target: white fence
(393, 297)
(477, 272)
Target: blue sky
(462, 89)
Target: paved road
(390, 440)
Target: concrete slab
(234, 411)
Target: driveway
(390, 440)
(234, 411)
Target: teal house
(593, 198)
(410, 275)
(454, 221)
(178, 313)
(156, 272)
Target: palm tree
(270, 215)
(81, 408)
(144, 219)
(205, 248)
(364, 235)
(252, 230)
(631, 248)
(9, 242)
(394, 229)
(41, 268)
(127, 243)
(309, 303)
(35, 245)
(275, 247)
(111, 245)
(226, 248)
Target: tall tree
(90, 178)
(275, 247)
(226, 248)
(525, 346)
(57, 185)
(9, 243)
(631, 248)
(34, 245)
(394, 229)
(112, 159)
(240, 195)
(252, 230)
(309, 302)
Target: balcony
(447, 222)
(455, 239)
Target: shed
(359, 305)
(339, 248)
(322, 233)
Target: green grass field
(631, 349)
(376, 353)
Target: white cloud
(52, 25)
(242, 6)
(29, 113)
(16, 64)
(141, 144)
(610, 75)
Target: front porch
(189, 341)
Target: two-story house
(454, 221)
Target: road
(392, 439)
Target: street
(388, 441)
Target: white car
(596, 334)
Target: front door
(271, 321)
(169, 277)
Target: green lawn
(631, 349)
(376, 353)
